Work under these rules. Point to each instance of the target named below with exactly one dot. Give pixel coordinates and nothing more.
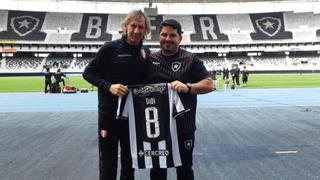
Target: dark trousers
(184, 172)
(108, 153)
(244, 79)
(225, 76)
(235, 80)
(47, 85)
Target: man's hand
(103, 133)
(118, 89)
(179, 87)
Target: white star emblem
(175, 66)
(268, 25)
(141, 153)
(24, 23)
(188, 144)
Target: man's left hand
(179, 87)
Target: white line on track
(286, 152)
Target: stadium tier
(66, 28)
(53, 32)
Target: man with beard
(188, 76)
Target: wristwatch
(189, 85)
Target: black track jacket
(116, 62)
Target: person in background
(119, 63)
(59, 77)
(188, 76)
(47, 80)
(225, 73)
(237, 74)
(245, 75)
(233, 74)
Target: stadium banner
(207, 29)
(24, 25)
(269, 26)
(93, 28)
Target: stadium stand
(113, 25)
(61, 62)
(80, 64)
(57, 38)
(3, 20)
(296, 20)
(229, 23)
(53, 32)
(63, 22)
(22, 65)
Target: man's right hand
(103, 133)
(118, 89)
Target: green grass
(280, 81)
(36, 84)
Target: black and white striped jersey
(151, 110)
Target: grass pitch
(280, 81)
(36, 83)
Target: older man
(119, 63)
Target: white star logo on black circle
(175, 66)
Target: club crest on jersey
(188, 144)
(24, 25)
(175, 66)
(269, 25)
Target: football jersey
(151, 110)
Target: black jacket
(47, 76)
(117, 62)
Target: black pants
(237, 80)
(47, 85)
(108, 153)
(225, 76)
(244, 79)
(184, 172)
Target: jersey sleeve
(178, 108)
(123, 106)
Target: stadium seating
(222, 33)
(22, 65)
(63, 22)
(230, 28)
(113, 26)
(230, 22)
(80, 64)
(3, 20)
